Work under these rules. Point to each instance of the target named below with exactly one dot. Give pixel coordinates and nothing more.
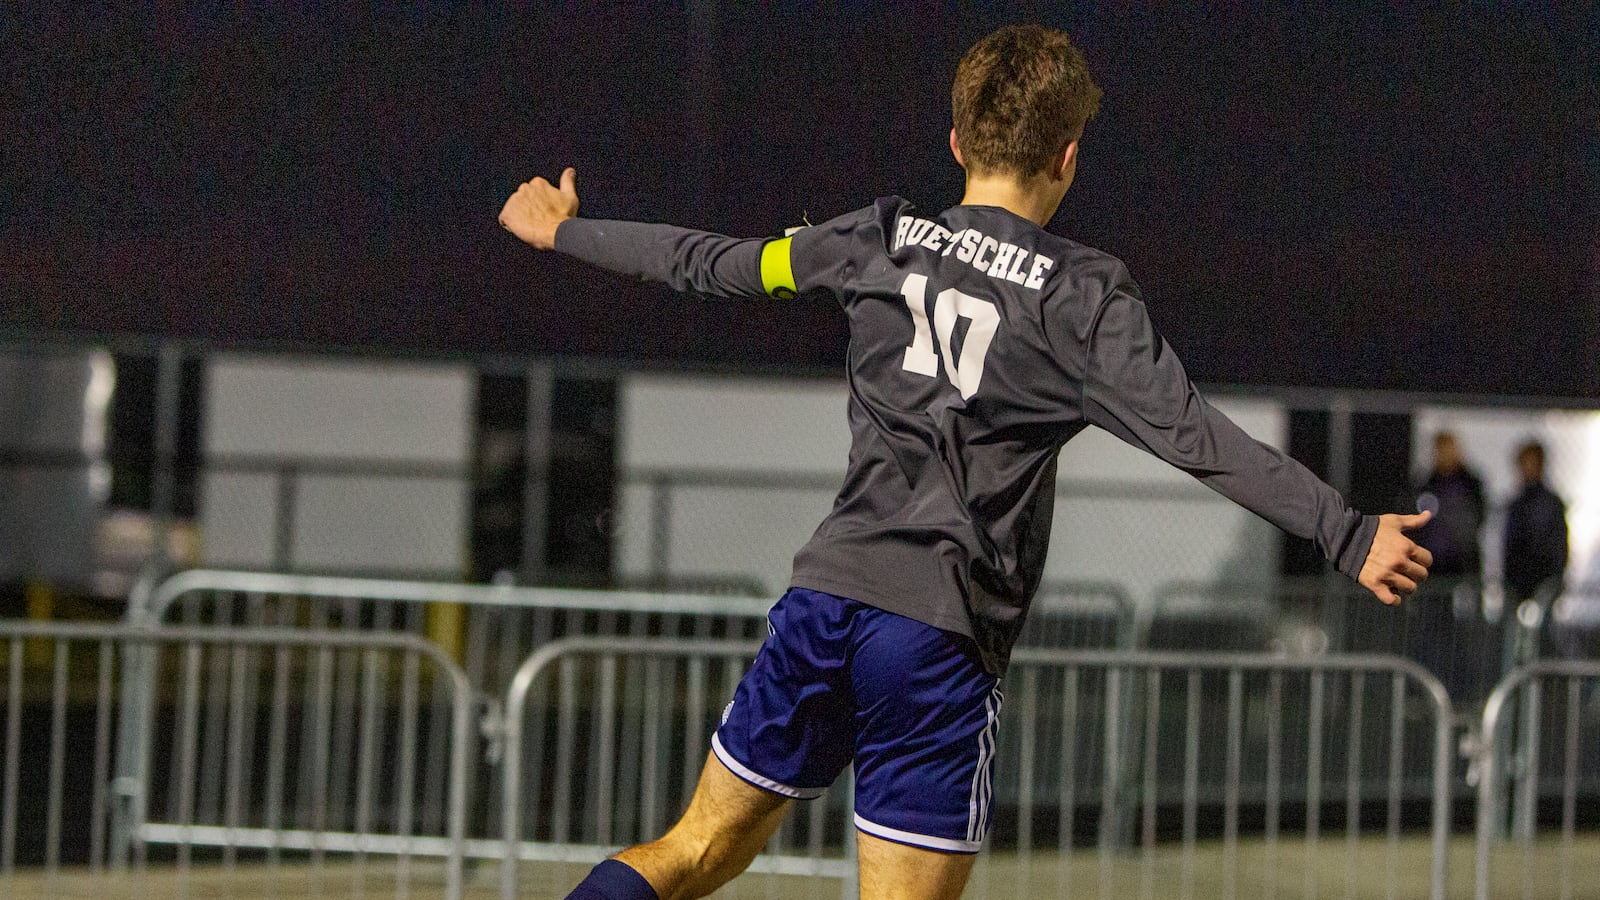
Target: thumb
(1416, 520)
(569, 181)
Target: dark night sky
(1367, 197)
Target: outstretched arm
(546, 216)
(1136, 388)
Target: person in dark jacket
(1455, 495)
(1535, 533)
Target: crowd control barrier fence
(488, 629)
(623, 776)
(1267, 753)
(493, 628)
(242, 783)
(302, 729)
(1225, 768)
(1538, 772)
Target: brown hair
(1021, 95)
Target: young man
(1535, 539)
(979, 345)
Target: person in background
(1454, 494)
(1535, 532)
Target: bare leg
(891, 871)
(728, 822)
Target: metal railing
(491, 628)
(1092, 735)
(1533, 779)
(500, 625)
(245, 767)
(1315, 724)
(1118, 771)
(654, 707)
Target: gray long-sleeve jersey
(979, 345)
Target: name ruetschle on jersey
(979, 344)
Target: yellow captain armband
(777, 275)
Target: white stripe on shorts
(994, 742)
(757, 779)
(978, 799)
(917, 840)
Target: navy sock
(613, 880)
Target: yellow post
(447, 628)
(41, 599)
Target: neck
(1035, 199)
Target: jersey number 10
(949, 305)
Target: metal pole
(1442, 759)
(162, 483)
(1488, 773)
(132, 783)
(536, 475)
(288, 477)
(660, 530)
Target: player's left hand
(1396, 564)
(538, 207)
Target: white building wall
(324, 419)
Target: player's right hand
(538, 207)
(1396, 564)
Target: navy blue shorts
(839, 681)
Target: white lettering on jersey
(989, 245)
(919, 230)
(966, 374)
(955, 241)
(900, 229)
(969, 245)
(1002, 258)
(992, 257)
(1016, 274)
(920, 356)
(1040, 265)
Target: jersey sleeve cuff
(1353, 555)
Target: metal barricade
(493, 628)
(582, 799)
(1231, 761)
(490, 628)
(1227, 756)
(167, 827)
(1538, 766)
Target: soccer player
(979, 344)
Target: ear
(1067, 162)
(955, 149)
